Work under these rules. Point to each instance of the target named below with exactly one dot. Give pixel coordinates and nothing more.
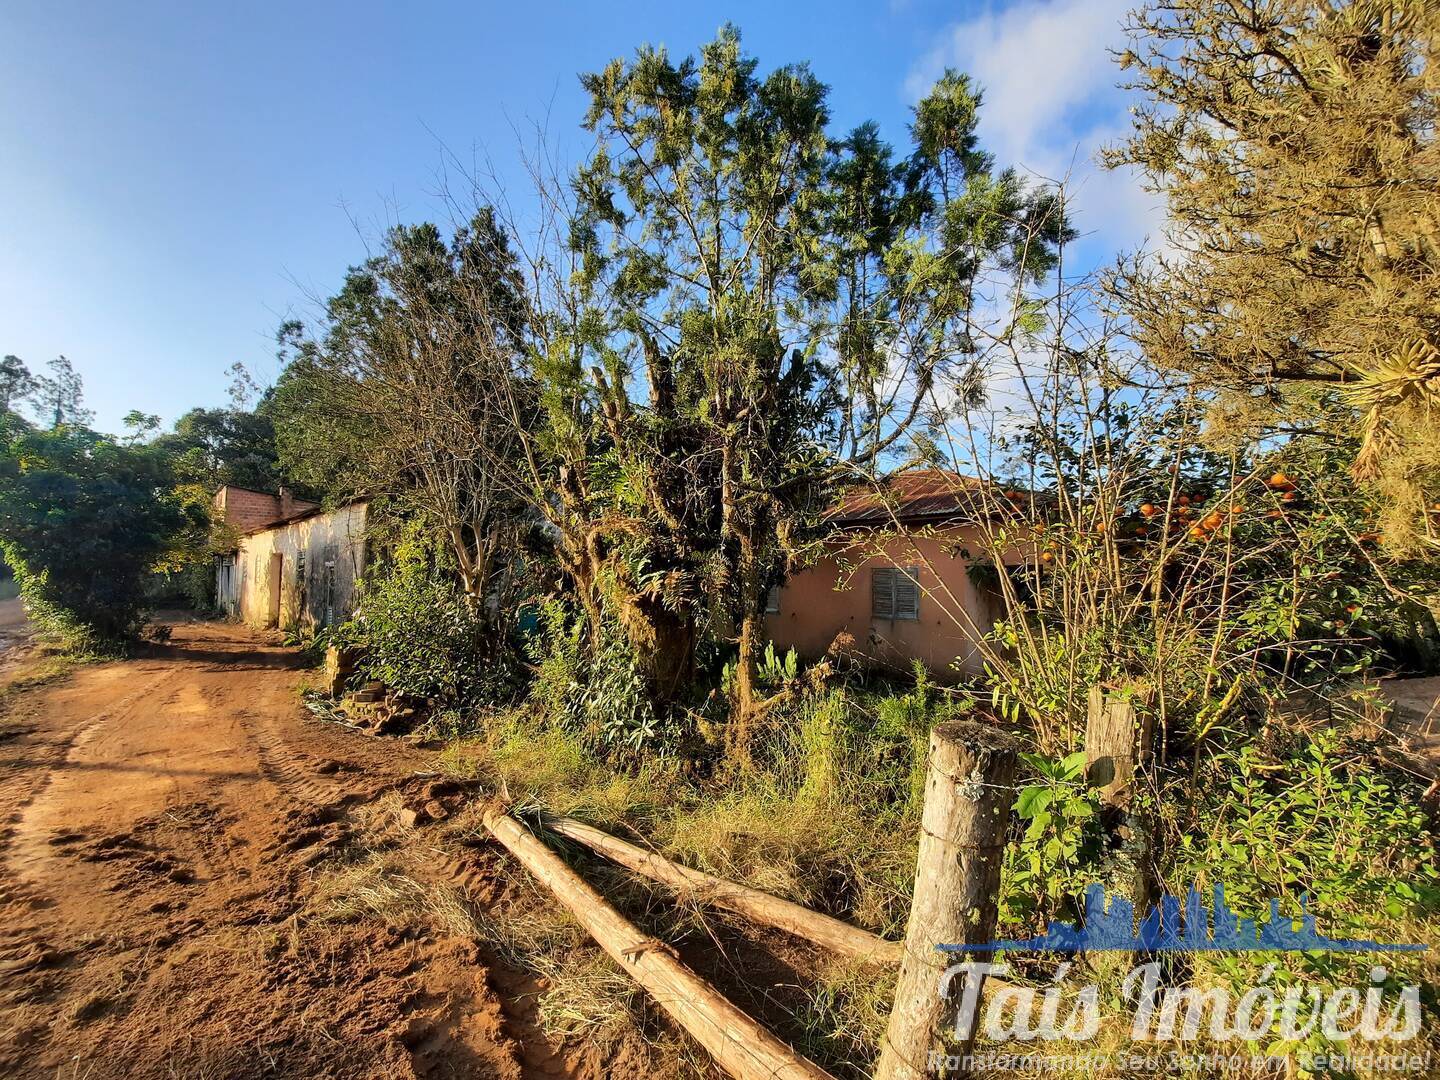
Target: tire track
(22, 947)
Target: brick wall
(245, 510)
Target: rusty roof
(919, 495)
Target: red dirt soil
(167, 824)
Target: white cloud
(1050, 104)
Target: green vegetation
(83, 519)
(421, 636)
(98, 529)
(1205, 486)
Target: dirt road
(182, 891)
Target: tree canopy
(1295, 143)
(83, 521)
(764, 310)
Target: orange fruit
(1147, 509)
(1184, 500)
(1046, 557)
(1279, 480)
(1213, 520)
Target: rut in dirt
(164, 817)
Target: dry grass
(378, 876)
(381, 885)
(822, 841)
(528, 762)
(382, 875)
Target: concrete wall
(319, 560)
(833, 597)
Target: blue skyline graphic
(1109, 925)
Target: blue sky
(177, 178)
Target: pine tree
(1295, 143)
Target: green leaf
(1033, 800)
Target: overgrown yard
(809, 520)
(829, 817)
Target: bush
(1356, 839)
(423, 637)
(603, 698)
(83, 520)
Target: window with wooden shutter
(895, 592)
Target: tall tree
(16, 382)
(408, 393)
(772, 295)
(1295, 143)
(59, 397)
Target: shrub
(423, 637)
(603, 698)
(1357, 840)
(1295, 814)
(1059, 846)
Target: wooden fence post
(1119, 740)
(969, 791)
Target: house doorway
(277, 569)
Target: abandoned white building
(294, 563)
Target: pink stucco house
(895, 579)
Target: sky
(177, 179)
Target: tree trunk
(743, 720)
(664, 647)
(751, 630)
(739, 1045)
(696, 886)
(470, 575)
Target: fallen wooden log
(739, 1044)
(755, 905)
